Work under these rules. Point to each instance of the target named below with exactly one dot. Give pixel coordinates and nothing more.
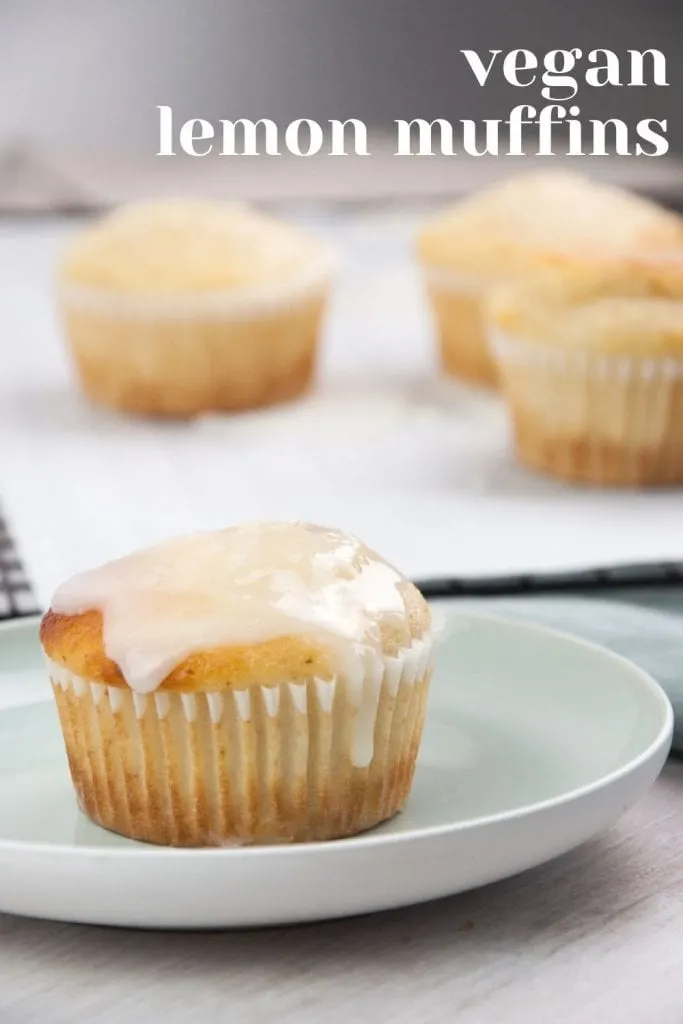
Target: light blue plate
(534, 743)
(651, 639)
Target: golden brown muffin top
(515, 226)
(620, 306)
(186, 246)
(258, 604)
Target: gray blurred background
(86, 74)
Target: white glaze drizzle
(241, 585)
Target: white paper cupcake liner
(457, 299)
(521, 352)
(613, 420)
(447, 280)
(188, 355)
(298, 761)
(238, 304)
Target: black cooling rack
(656, 575)
(17, 599)
(16, 596)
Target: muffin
(259, 684)
(509, 232)
(179, 308)
(591, 362)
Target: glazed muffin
(591, 362)
(259, 684)
(509, 233)
(182, 307)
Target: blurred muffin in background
(509, 232)
(181, 307)
(591, 361)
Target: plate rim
(373, 840)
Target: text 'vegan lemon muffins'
(509, 232)
(259, 684)
(182, 307)
(591, 362)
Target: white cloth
(422, 472)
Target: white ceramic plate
(535, 741)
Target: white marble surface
(594, 936)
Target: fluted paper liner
(594, 418)
(457, 304)
(301, 761)
(184, 354)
